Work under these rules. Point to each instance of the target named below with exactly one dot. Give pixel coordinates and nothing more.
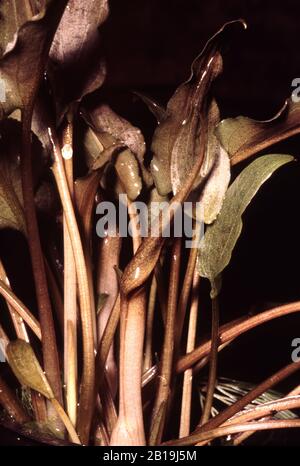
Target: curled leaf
(26, 367)
(242, 137)
(105, 120)
(22, 64)
(115, 135)
(77, 67)
(220, 238)
(176, 140)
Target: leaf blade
(220, 238)
(76, 66)
(27, 52)
(176, 142)
(243, 137)
(26, 367)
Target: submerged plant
(89, 360)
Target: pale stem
(70, 301)
(186, 404)
(20, 308)
(66, 421)
(38, 403)
(129, 430)
(148, 363)
(86, 402)
(107, 284)
(248, 426)
(17, 321)
(213, 359)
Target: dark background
(149, 46)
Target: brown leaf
(22, 64)
(176, 140)
(14, 13)
(77, 67)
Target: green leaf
(242, 137)
(128, 172)
(26, 367)
(22, 63)
(176, 142)
(220, 238)
(76, 66)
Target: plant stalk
(232, 330)
(186, 403)
(70, 301)
(212, 376)
(49, 345)
(165, 375)
(86, 401)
